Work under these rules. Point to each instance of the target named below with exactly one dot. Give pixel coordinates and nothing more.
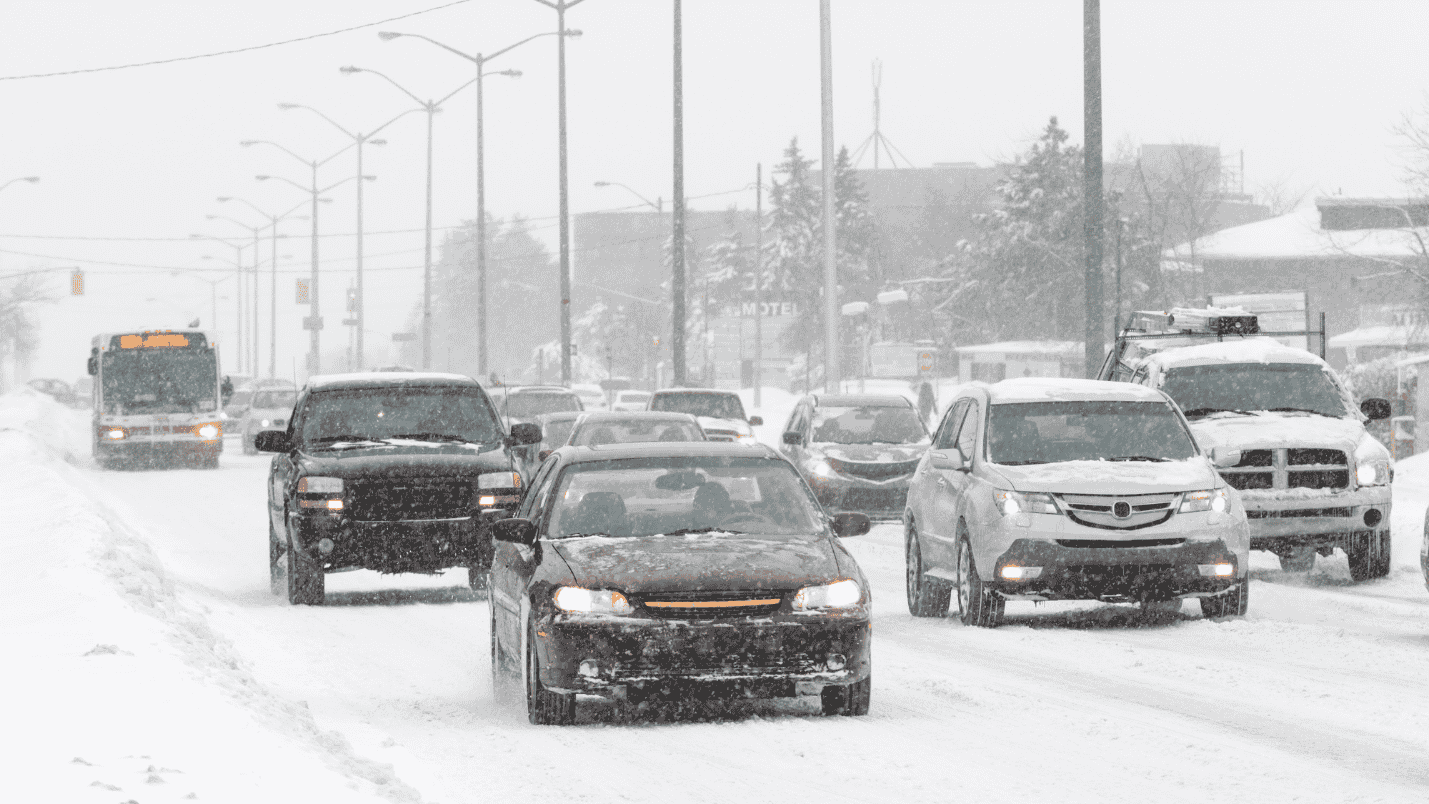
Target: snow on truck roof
(1238, 350)
(1051, 389)
(386, 379)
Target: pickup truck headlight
(1208, 500)
(837, 595)
(591, 601)
(820, 468)
(320, 485)
(1017, 502)
(1373, 473)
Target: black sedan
(676, 570)
(858, 451)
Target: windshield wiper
(1151, 458)
(1018, 463)
(1300, 410)
(1193, 412)
(435, 437)
(348, 437)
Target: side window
(297, 413)
(967, 435)
(948, 431)
(793, 424)
(536, 488)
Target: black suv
(393, 472)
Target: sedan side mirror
(1223, 458)
(272, 441)
(756, 421)
(793, 438)
(515, 531)
(523, 434)
(851, 523)
(1376, 409)
(951, 460)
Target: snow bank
(120, 688)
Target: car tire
(1386, 553)
(1300, 559)
(1234, 603)
(926, 597)
(1363, 551)
(978, 605)
(306, 581)
(849, 699)
(543, 707)
(275, 562)
(501, 686)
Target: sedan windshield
(650, 496)
(1050, 432)
(275, 399)
(715, 406)
(531, 405)
(869, 425)
(1203, 390)
(420, 414)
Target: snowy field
(146, 661)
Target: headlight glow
(820, 468)
(209, 431)
(1207, 500)
(747, 439)
(591, 601)
(1373, 473)
(1017, 502)
(264, 423)
(837, 595)
(499, 480)
(114, 433)
(320, 485)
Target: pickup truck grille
(399, 499)
(1289, 468)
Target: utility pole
(1093, 210)
(831, 274)
(314, 321)
(426, 254)
(758, 280)
(677, 234)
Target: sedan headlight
(747, 439)
(1018, 502)
(591, 601)
(264, 423)
(837, 595)
(320, 485)
(1208, 500)
(1373, 473)
(820, 468)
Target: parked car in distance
(857, 451)
(691, 570)
(393, 472)
(237, 403)
(721, 413)
(523, 403)
(268, 409)
(630, 400)
(1062, 489)
(58, 390)
(592, 397)
(633, 427)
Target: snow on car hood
(872, 453)
(1266, 430)
(736, 425)
(1111, 477)
(697, 561)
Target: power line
(236, 50)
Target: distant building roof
(1299, 235)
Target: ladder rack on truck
(1190, 326)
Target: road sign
(349, 322)
(76, 282)
(404, 336)
(312, 322)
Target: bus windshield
(159, 381)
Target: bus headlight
(112, 434)
(209, 431)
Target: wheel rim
(915, 566)
(964, 576)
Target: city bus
(157, 399)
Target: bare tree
(1180, 187)
(1282, 195)
(17, 326)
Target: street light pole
(273, 221)
(237, 264)
(832, 367)
(677, 215)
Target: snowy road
(1320, 694)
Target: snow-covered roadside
(117, 687)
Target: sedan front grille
(874, 470)
(710, 605)
(400, 499)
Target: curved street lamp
(30, 179)
(237, 263)
(273, 282)
(480, 61)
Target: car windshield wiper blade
(688, 531)
(1208, 411)
(434, 437)
(1151, 458)
(1019, 463)
(349, 437)
(1300, 410)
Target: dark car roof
(862, 401)
(393, 379)
(667, 449)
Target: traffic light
(303, 292)
(76, 282)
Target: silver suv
(1057, 489)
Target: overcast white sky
(1309, 90)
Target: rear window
(531, 405)
(717, 406)
(1051, 432)
(634, 431)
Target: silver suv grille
(1289, 468)
(1127, 512)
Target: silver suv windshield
(715, 406)
(1240, 387)
(1051, 432)
(868, 425)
